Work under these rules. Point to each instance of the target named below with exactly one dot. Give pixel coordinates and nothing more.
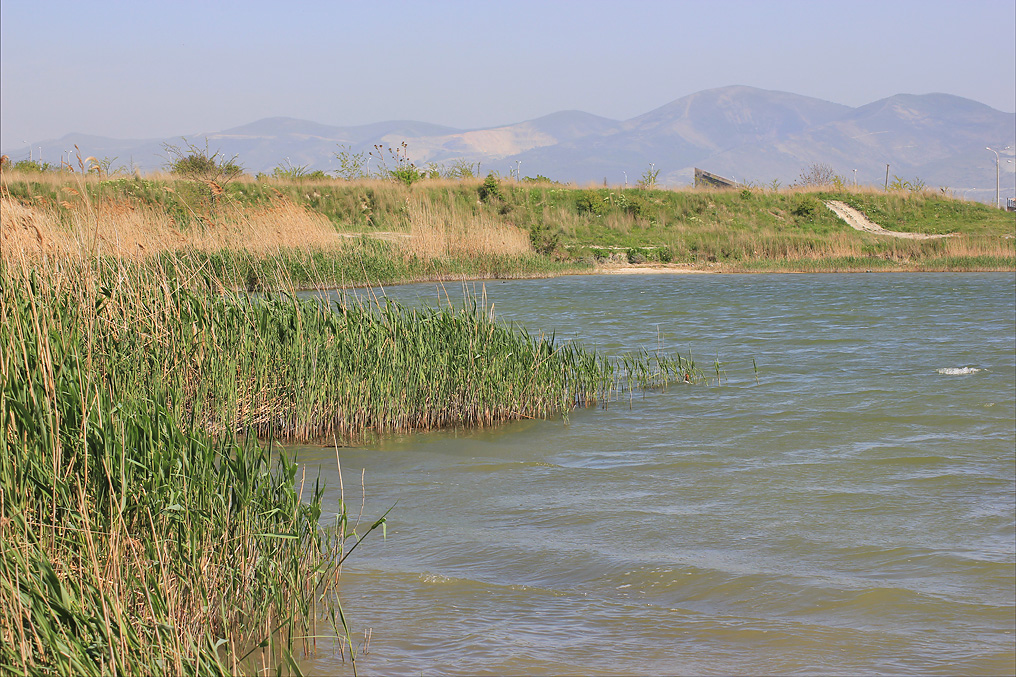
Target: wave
(958, 371)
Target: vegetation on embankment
(333, 232)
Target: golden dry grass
(438, 230)
(127, 230)
(75, 225)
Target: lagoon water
(851, 512)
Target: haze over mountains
(748, 134)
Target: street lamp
(855, 178)
(997, 204)
(996, 174)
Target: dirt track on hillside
(859, 221)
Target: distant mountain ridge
(749, 134)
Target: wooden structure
(704, 179)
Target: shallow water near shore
(850, 512)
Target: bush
(590, 202)
(636, 256)
(407, 174)
(634, 205)
(461, 169)
(31, 167)
(543, 239)
(805, 207)
(351, 165)
(490, 190)
(290, 172)
(196, 163)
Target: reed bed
(133, 542)
(145, 529)
(274, 365)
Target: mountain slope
(749, 134)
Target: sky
(175, 67)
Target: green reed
(130, 541)
(140, 533)
(276, 365)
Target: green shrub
(490, 189)
(590, 202)
(32, 167)
(805, 207)
(200, 164)
(635, 205)
(407, 174)
(636, 256)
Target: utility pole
(887, 176)
(855, 178)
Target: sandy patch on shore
(656, 269)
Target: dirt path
(859, 221)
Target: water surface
(852, 511)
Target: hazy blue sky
(152, 69)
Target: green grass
(929, 213)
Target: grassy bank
(328, 233)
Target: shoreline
(639, 269)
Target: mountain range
(747, 134)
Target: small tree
(915, 186)
(649, 177)
(817, 174)
(490, 190)
(351, 165)
(461, 169)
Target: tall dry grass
(122, 229)
(439, 230)
(79, 224)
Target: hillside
(753, 135)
